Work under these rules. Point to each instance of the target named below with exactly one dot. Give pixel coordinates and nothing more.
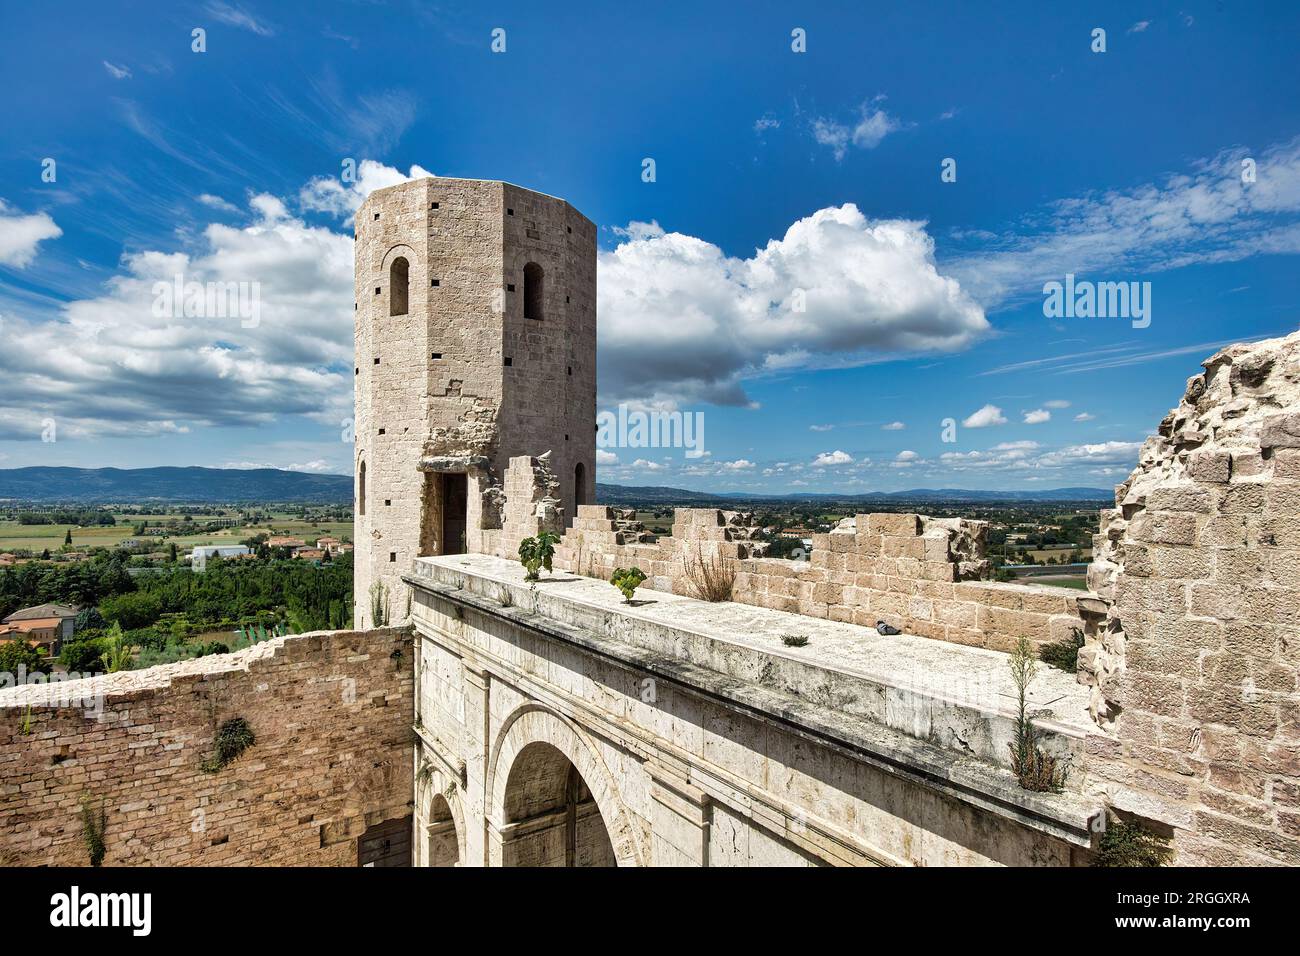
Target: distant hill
(173, 484)
(629, 494)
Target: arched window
(399, 286)
(579, 486)
(361, 489)
(533, 278)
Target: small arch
(442, 835)
(534, 279)
(361, 489)
(399, 286)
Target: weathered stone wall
(702, 740)
(1195, 668)
(908, 570)
(463, 381)
(331, 713)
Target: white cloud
(1084, 417)
(1037, 416)
(116, 365)
(1205, 215)
(984, 417)
(872, 126)
(1056, 403)
(1139, 27)
(318, 466)
(893, 427)
(236, 16)
(20, 235)
(333, 196)
(906, 455)
(648, 465)
(681, 321)
(117, 72)
(1102, 453)
(820, 428)
(216, 202)
(740, 464)
(604, 457)
(764, 123)
(836, 457)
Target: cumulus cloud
(984, 417)
(333, 196)
(682, 321)
(740, 464)
(648, 465)
(836, 457)
(906, 455)
(1037, 416)
(893, 427)
(123, 363)
(1101, 453)
(20, 235)
(216, 202)
(606, 457)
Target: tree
(133, 610)
(67, 538)
(536, 553)
(19, 653)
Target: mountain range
(232, 485)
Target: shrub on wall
(1128, 843)
(536, 553)
(233, 737)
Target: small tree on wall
(536, 553)
(378, 604)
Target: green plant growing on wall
(794, 640)
(1063, 654)
(1035, 769)
(232, 738)
(378, 604)
(1127, 843)
(25, 728)
(536, 553)
(627, 580)
(93, 823)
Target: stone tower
(475, 343)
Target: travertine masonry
(1195, 668)
(456, 374)
(332, 715)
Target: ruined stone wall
(1195, 669)
(911, 571)
(331, 713)
(463, 380)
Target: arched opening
(551, 818)
(533, 280)
(442, 847)
(579, 486)
(361, 489)
(399, 286)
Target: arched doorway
(551, 817)
(579, 486)
(442, 847)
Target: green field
(15, 536)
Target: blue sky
(777, 175)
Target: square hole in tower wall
(433, 205)
(392, 556)
(509, 361)
(435, 282)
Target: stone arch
(440, 821)
(409, 270)
(399, 286)
(533, 723)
